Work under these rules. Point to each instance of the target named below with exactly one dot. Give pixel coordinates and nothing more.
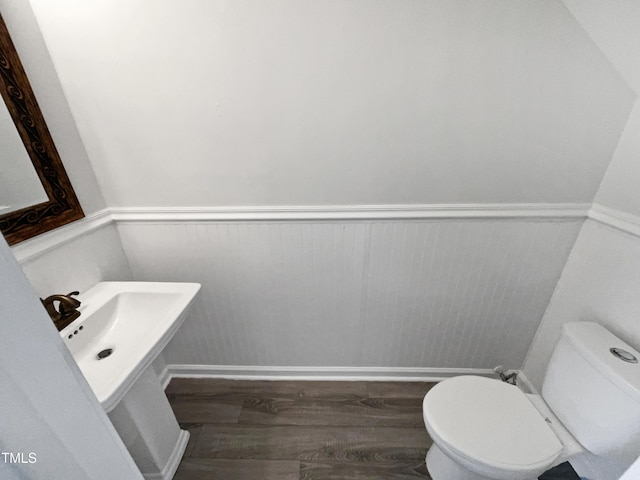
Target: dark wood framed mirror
(62, 205)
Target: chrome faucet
(67, 310)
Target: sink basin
(123, 326)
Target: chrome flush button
(623, 355)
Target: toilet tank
(593, 392)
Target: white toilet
(485, 429)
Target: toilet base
(442, 467)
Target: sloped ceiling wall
(615, 27)
(282, 102)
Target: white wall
(285, 102)
(76, 264)
(47, 407)
(600, 280)
(350, 102)
(342, 102)
(431, 294)
(619, 188)
(613, 26)
(633, 473)
(599, 283)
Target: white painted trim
(626, 222)
(560, 211)
(33, 248)
(165, 377)
(169, 470)
(369, 374)
(524, 383)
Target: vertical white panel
(446, 293)
(481, 297)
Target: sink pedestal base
(149, 429)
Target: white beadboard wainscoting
(439, 293)
(74, 257)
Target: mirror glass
(20, 185)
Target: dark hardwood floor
(282, 430)
(258, 430)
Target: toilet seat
(490, 427)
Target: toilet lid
(490, 422)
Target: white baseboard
(525, 384)
(169, 471)
(369, 374)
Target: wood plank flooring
(258, 430)
(282, 430)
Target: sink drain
(104, 353)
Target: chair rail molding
(44, 243)
(351, 212)
(617, 219)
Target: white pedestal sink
(122, 328)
